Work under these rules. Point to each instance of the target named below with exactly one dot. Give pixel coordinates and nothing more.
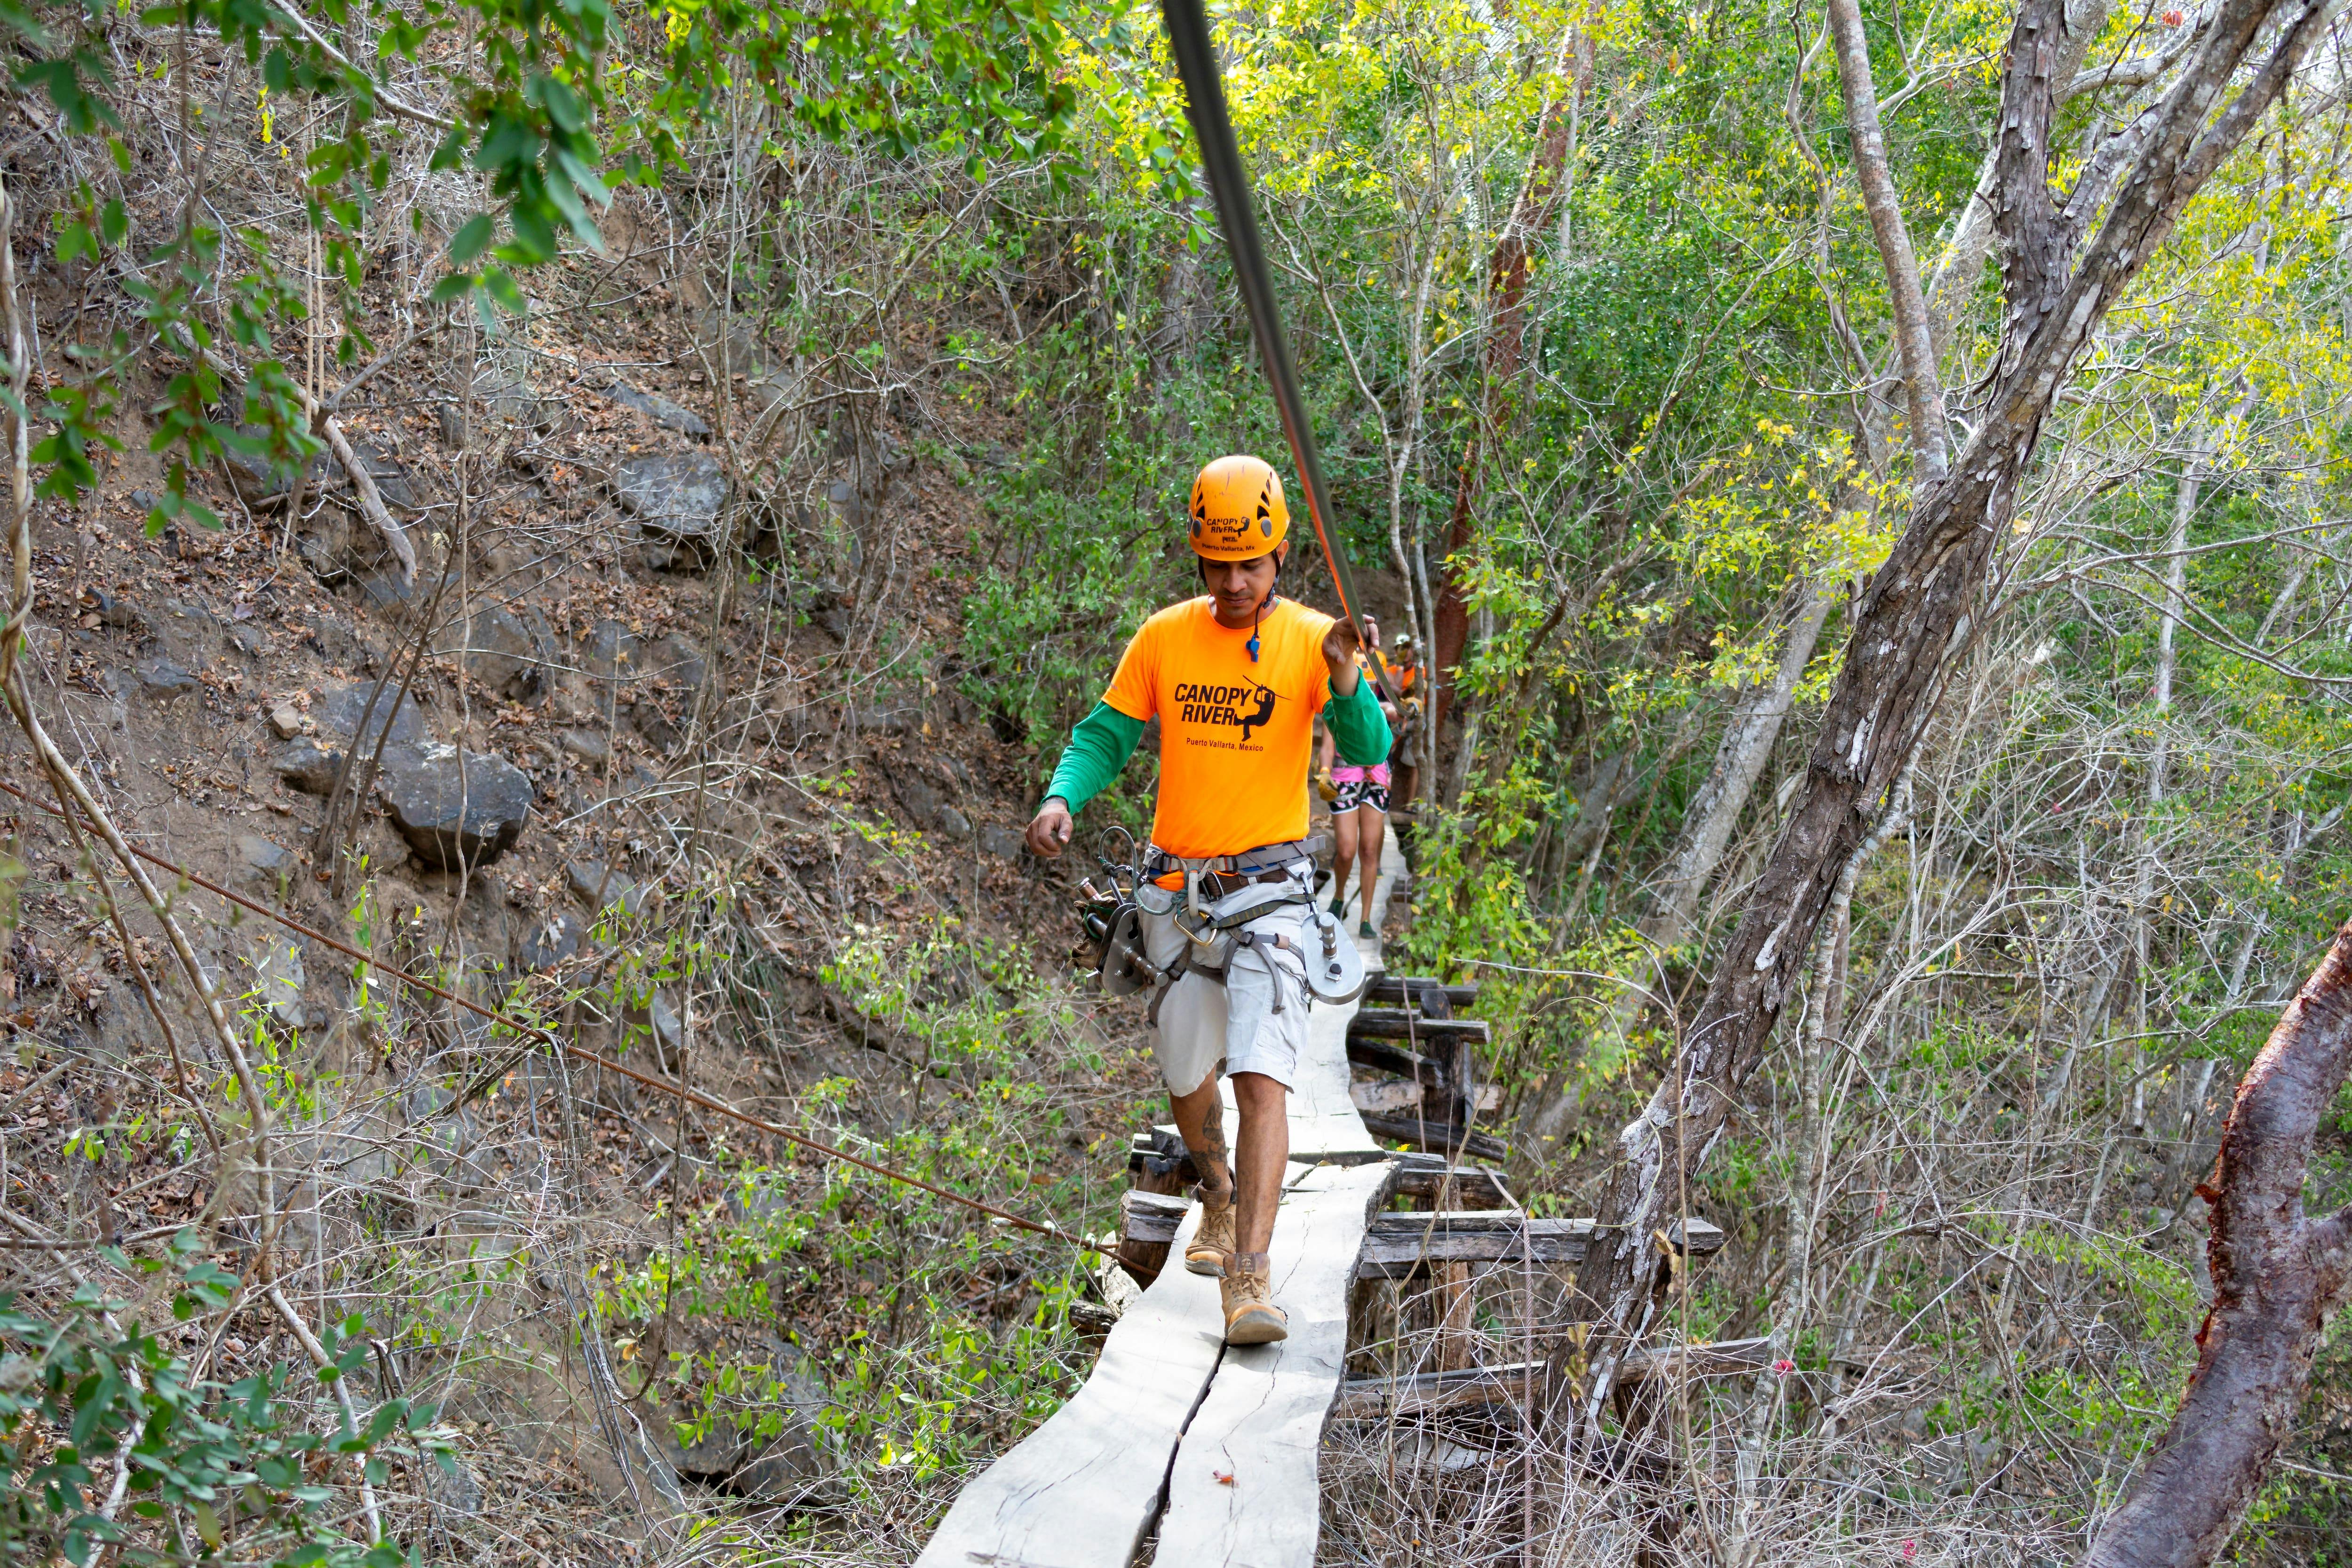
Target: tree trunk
(1917, 611)
(2278, 1277)
(1961, 265)
(1747, 741)
(1914, 347)
(1503, 356)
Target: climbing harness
(1221, 897)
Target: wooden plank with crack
(1081, 1490)
(1244, 1490)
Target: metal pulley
(1335, 969)
(1125, 970)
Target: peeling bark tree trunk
(1505, 355)
(2278, 1277)
(1962, 262)
(1917, 611)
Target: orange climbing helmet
(1238, 512)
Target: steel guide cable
(1221, 163)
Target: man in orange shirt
(1235, 678)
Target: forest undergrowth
(612, 511)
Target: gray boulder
(500, 648)
(660, 410)
(115, 610)
(789, 1467)
(548, 942)
(1002, 842)
(592, 747)
(600, 890)
(263, 862)
(930, 806)
(392, 481)
(161, 680)
(676, 498)
(614, 652)
(396, 596)
(676, 659)
(308, 764)
(190, 634)
(338, 709)
(458, 809)
(279, 979)
(454, 1490)
(786, 1466)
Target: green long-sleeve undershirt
(1103, 740)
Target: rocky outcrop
(660, 410)
(458, 809)
(507, 653)
(676, 498)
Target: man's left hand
(1339, 648)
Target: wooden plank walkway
(1167, 1399)
(1244, 1488)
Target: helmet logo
(1223, 506)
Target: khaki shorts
(1251, 1023)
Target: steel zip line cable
(581, 1052)
(1221, 161)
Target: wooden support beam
(1382, 1057)
(1435, 1393)
(1431, 1179)
(1402, 1093)
(1398, 1023)
(1400, 1246)
(1157, 1161)
(1435, 1136)
(1405, 990)
(1456, 1328)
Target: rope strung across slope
(531, 1031)
(1221, 162)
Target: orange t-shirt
(1234, 735)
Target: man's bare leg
(1258, 1167)
(1260, 1156)
(1200, 1118)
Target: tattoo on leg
(1211, 1159)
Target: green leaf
(473, 239)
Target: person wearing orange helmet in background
(1236, 677)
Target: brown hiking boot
(1251, 1316)
(1213, 1243)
